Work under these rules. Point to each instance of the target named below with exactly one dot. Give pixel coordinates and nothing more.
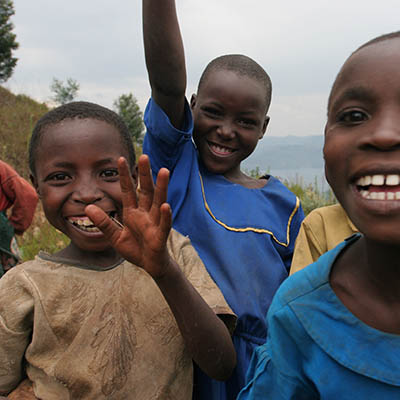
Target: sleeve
(163, 143)
(24, 199)
(16, 319)
(275, 371)
(188, 259)
(309, 243)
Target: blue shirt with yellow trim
(317, 349)
(245, 237)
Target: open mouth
(379, 187)
(84, 223)
(220, 150)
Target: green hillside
(18, 115)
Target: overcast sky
(301, 44)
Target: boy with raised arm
(243, 228)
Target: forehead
(84, 137)
(234, 86)
(371, 69)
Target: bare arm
(147, 223)
(165, 58)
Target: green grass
(41, 236)
(18, 115)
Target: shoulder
(25, 272)
(7, 172)
(4, 167)
(330, 222)
(300, 285)
(327, 213)
(158, 123)
(284, 198)
(304, 287)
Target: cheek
(114, 194)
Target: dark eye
(59, 176)
(109, 173)
(246, 122)
(352, 117)
(212, 112)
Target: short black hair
(381, 38)
(242, 65)
(378, 39)
(80, 110)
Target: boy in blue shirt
(243, 228)
(334, 327)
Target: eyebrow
(99, 163)
(357, 93)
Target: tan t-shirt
(322, 230)
(90, 334)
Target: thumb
(109, 228)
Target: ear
(34, 184)
(264, 128)
(193, 101)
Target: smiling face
(76, 165)
(362, 140)
(229, 115)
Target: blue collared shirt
(317, 349)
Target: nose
(226, 130)
(86, 192)
(385, 132)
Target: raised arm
(165, 58)
(143, 241)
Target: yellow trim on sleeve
(250, 229)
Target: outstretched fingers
(128, 186)
(146, 185)
(160, 194)
(165, 220)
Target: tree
(128, 109)
(7, 40)
(64, 93)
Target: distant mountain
(287, 153)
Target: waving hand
(142, 237)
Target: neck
(242, 179)
(382, 268)
(103, 258)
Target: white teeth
(392, 180)
(361, 181)
(364, 182)
(373, 196)
(380, 195)
(219, 149)
(378, 180)
(390, 195)
(84, 224)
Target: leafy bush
(311, 197)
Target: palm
(146, 219)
